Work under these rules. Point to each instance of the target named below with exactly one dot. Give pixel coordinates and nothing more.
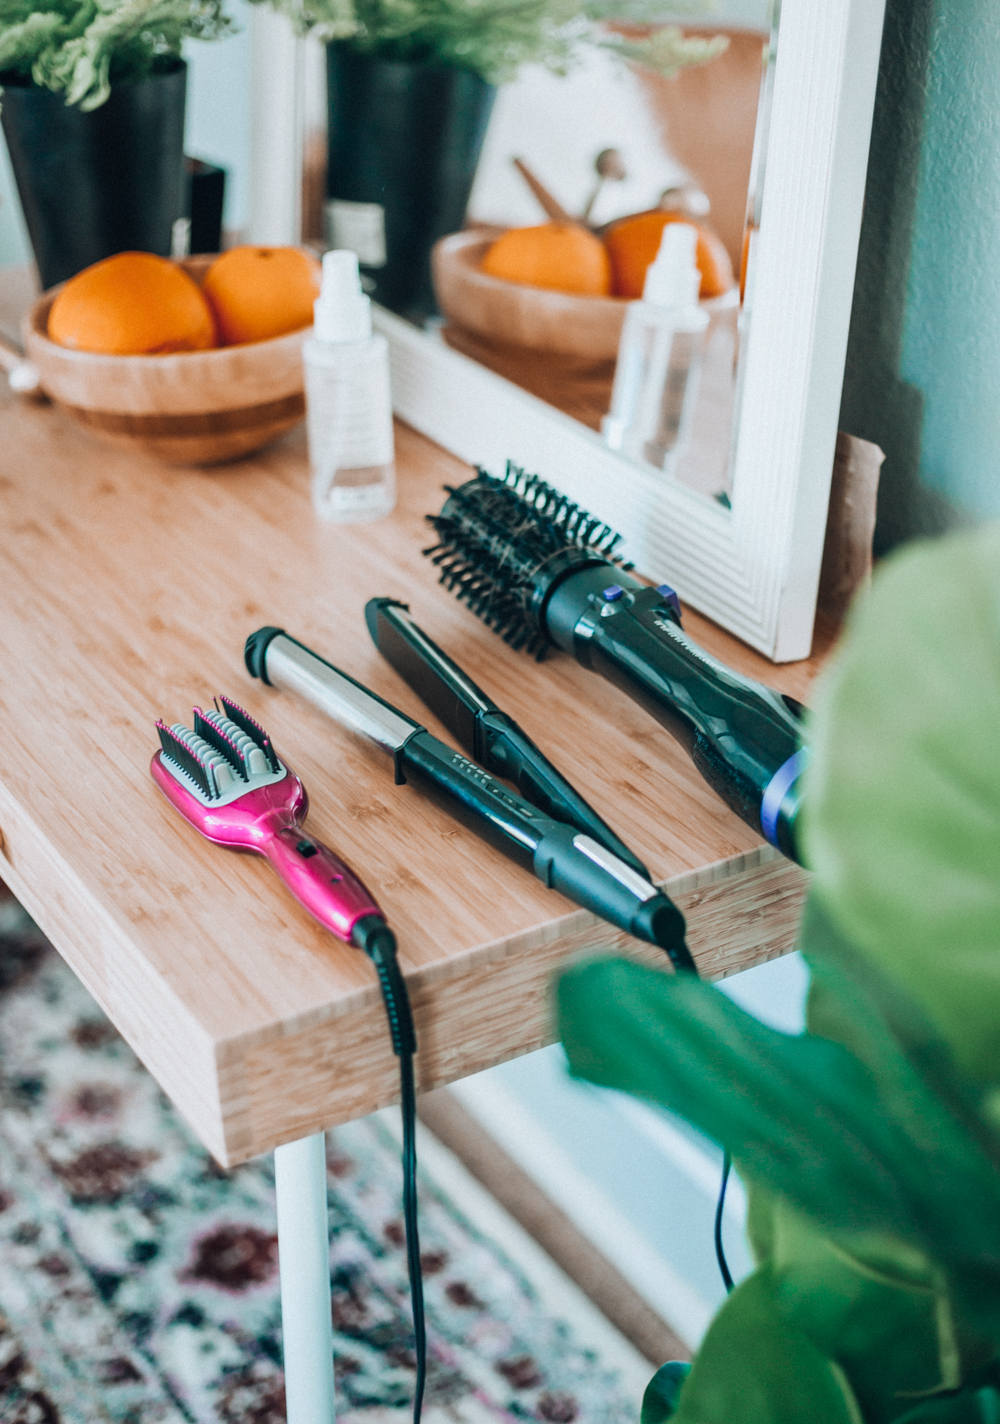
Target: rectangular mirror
(715, 461)
(625, 151)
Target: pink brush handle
(267, 819)
(319, 880)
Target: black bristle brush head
(503, 545)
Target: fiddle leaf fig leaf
(981, 1406)
(901, 818)
(854, 1002)
(757, 1367)
(803, 1116)
(659, 1401)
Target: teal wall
(923, 370)
(951, 332)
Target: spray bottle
(659, 357)
(348, 401)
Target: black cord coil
(727, 1163)
(372, 935)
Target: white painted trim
(594, 1214)
(681, 1152)
(558, 1295)
(756, 570)
(277, 122)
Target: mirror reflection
(605, 260)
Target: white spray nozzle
(342, 312)
(673, 279)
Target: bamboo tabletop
(128, 591)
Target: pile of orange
(137, 304)
(567, 257)
(560, 256)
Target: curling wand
(544, 573)
(560, 855)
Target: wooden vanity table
(128, 591)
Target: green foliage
(872, 1142)
(663, 1392)
(903, 829)
(81, 47)
(495, 37)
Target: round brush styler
(544, 573)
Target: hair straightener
(583, 863)
(494, 739)
(227, 782)
(544, 573)
(487, 733)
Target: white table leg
(303, 1259)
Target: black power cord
(372, 935)
(720, 1253)
(683, 962)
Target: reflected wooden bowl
(559, 347)
(190, 408)
(515, 315)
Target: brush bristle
(251, 729)
(495, 534)
(220, 738)
(188, 758)
(226, 751)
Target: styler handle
(322, 883)
(743, 737)
(560, 855)
(502, 746)
(584, 871)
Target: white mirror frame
(754, 569)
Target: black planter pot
(404, 137)
(92, 184)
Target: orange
(133, 304)
(563, 257)
(633, 243)
(260, 292)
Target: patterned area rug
(139, 1281)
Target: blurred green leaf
(981, 1406)
(496, 37)
(902, 798)
(803, 1116)
(81, 47)
(663, 1391)
(756, 1367)
(854, 1002)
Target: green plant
(495, 37)
(872, 1142)
(81, 47)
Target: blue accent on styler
(777, 789)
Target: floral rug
(139, 1281)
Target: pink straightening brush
(227, 781)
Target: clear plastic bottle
(348, 401)
(659, 357)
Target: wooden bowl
(559, 347)
(191, 408)
(532, 317)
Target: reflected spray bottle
(348, 401)
(659, 357)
